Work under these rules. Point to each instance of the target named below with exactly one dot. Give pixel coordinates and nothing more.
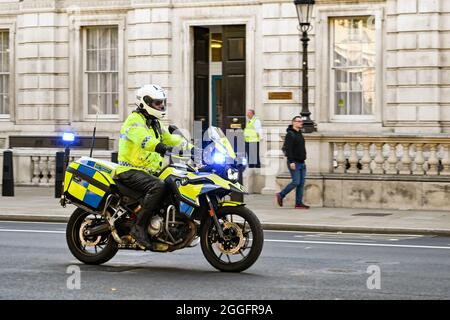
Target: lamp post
(304, 13)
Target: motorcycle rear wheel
(239, 224)
(75, 243)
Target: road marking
(343, 238)
(339, 233)
(358, 244)
(31, 231)
(31, 222)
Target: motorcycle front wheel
(89, 249)
(242, 243)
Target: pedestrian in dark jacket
(296, 155)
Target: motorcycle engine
(156, 225)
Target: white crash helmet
(152, 98)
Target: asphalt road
(35, 260)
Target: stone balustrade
(391, 156)
(388, 171)
(37, 167)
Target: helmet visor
(157, 104)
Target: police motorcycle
(196, 209)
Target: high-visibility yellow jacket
(137, 144)
(250, 133)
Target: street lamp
(304, 13)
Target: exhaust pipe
(103, 228)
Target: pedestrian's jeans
(298, 182)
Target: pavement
(37, 204)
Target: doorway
(220, 76)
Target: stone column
(406, 160)
(366, 159)
(433, 161)
(446, 160)
(392, 159)
(51, 169)
(379, 159)
(43, 168)
(36, 172)
(340, 158)
(419, 160)
(353, 159)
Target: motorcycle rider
(142, 145)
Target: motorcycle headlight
(232, 175)
(219, 158)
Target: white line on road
(358, 244)
(334, 233)
(31, 222)
(31, 231)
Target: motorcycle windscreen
(221, 141)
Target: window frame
(78, 78)
(86, 114)
(332, 85)
(325, 94)
(10, 28)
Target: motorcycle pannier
(85, 185)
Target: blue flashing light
(219, 158)
(244, 161)
(68, 137)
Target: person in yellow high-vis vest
(252, 137)
(143, 142)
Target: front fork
(212, 213)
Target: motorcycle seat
(128, 192)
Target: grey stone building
(379, 88)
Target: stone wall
(418, 65)
(359, 192)
(42, 51)
(149, 50)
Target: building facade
(379, 85)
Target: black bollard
(59, 173)
(8, 174)
(114, 156)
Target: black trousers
(152, 187)
(252, 151)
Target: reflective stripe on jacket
(137, 144)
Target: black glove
(162, 149)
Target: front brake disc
(232, 250)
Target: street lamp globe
(304, 12)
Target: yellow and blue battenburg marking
(85, 184)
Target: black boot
(139, 229)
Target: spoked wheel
(95, 249)
(242, 243)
